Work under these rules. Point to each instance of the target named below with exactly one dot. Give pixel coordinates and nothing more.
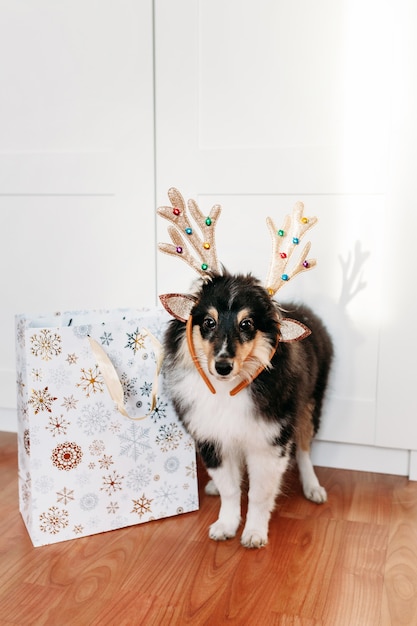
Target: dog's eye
(209, 323)
(246, 324)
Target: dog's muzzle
(223, 367)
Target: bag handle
(111, 378)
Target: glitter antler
(183, 233)
(284, 243)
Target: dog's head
(232, 327)
(235, 326)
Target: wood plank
(349, 562)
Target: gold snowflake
(91, 381)
(46, 345)
(65, 495)
(135, 341)
(142, 506)
(105, 462)
(41, 400)
(53, 520)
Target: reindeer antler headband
(184, 237)
(204, 261)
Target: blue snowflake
(139, 477)
(166, 494)
(146, 389)
(106, 339)
(134, 441)
(135, 341)
(159, 411)
(94, 418)
(172, 464)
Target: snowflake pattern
(128, 385)
(46, 345)
(113, 507)
(134, 441)
(166, 494)
(169, 437)
(106, 339)
(135, 341)
(105, 462)
(139, 477)
(112, 483)
(160, 410)
(94, 418)
(53, 520)
(66, 456)
(65, 495)
(91, 381)
(92, 469)
(70, 403)
(41, 400)
(57, 426)
(142, 505)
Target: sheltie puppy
(236, 331)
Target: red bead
(176, 211)
(283, 255)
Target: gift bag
(100, 447)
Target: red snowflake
(66, 456)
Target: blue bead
(189, 231)
(295, 240)
(284, 277)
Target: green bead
(208, 221)
(204, 266)
(281, 233)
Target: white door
(76, 161)
(261, 104)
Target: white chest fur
(230, 420)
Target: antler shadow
(352, 273)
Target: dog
(250, 400)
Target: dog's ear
(178, 305)
(293, 330)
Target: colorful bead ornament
(304, 220)
(208, 221)
(179, 249)
(204, 267)
(283, 255)
(270, 291)
(295, 240)
(281, 233)
(189, 231)
(206, 245)
(176, 211)
(285, 277)
(306, 264)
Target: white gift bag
(97, 453)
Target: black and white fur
(236, 324)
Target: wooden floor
(350, 562)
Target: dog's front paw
(220, 531)
(253, 539)
(315, 493)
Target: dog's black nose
(223, 367)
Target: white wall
(257, 105)
(76, 162)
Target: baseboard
(364, 458)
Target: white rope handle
(112, 381)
